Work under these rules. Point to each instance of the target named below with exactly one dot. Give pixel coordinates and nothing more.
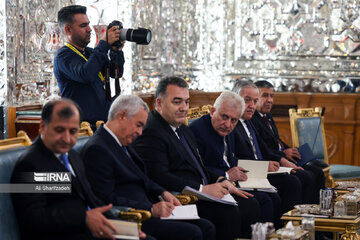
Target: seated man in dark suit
(169, 150)
(52, 215)
(265, 125)
(117, 174)
(216, 142)
(249, 145)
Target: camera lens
(140, 36)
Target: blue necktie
(254, 139)
(186, 145)
(126, 151)
(65, 160)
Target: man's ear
(158, 104)
(67, 29)
(121, 115)
(41, 125)
(212, 110)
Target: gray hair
(240, 85)
(231, 98)
(130, 103)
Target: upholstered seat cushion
(80, 143)
(8, 223)
(340, 171)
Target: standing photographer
(78, 68)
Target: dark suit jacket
(52, 215)
(244, 150)
(114, 177)
(270, 137)
(211, 146)
(167, 160)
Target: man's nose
(139, 131)
(66, 137)
(183, 106)
(252, 104)
(227, 123)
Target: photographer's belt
(107, 75)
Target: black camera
(140, 36)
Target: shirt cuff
(227, 175)
(200, 188)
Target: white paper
(281, 170)
(186, 212)
(268, 190)
(255, 183)
(125, 229)
(227, 199)
(257, 174)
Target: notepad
(281, 171)
(306, 154)
(257, 175)
(227, 199)
(186, 212)
(125, 230)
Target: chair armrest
(329, 180)
(131, 214)
(183, 199)
(187, 198)
(145, 215)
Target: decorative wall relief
(3, 75)
(32, 40)
(298, 45)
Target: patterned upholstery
(307, 130)
(307, 126)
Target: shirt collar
(112, 134)
(262, 115)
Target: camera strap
(81, 55)
(117, 75)
(107, 83)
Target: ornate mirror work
(298, 45)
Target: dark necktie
(188, 149)
(268, 124)
(65, 160)
(126, 151)
(254, 139)
(267, 121)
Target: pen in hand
(163, 200)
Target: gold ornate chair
(307, 126)
(131, 214)
(85, 132)
(85, 129)
(98, 123)
(21, 140)
(197, 112)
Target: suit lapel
(56, 166)
(244, 134)
(263, 124)
(192, 146)
(272, 123)
(122, 157)
(181, 148)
